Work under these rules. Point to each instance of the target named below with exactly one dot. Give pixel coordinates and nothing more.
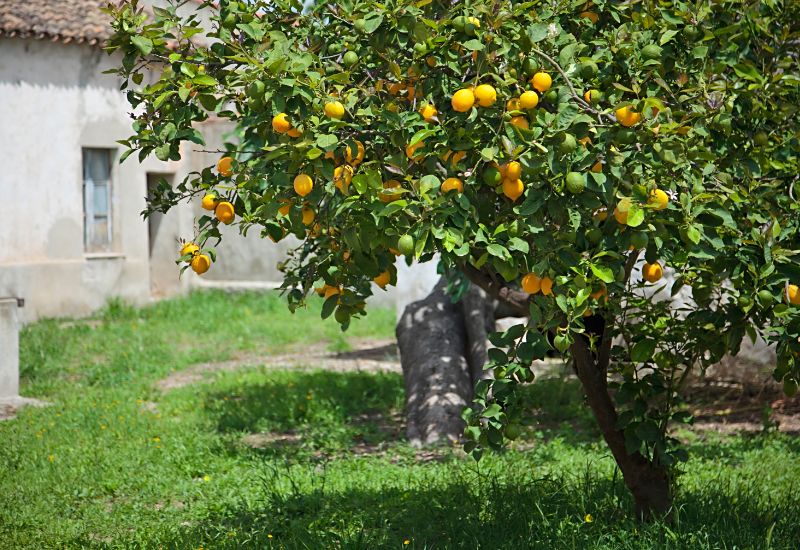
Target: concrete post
(9, 348)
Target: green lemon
(651, 52)
(765, 297)
(350, 59)
(492, 176)
(513, 431)
(405, 245)
(342, 315)
(789, 387)
(460, 23)
(594, 235)
(576, 183)
(589, 70)
(761, 139)
(568, 144)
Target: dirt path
(367, 355)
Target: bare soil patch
(367, 355)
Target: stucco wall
(54, 101)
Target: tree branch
(514, 298)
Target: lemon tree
(579, 161)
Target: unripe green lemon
(789, 387)
(405, 244)
(359, 24)
(568, 144)
(651, 52)
(576, 183)
(594, 235)
(561, 343)
(460, 23)
(341, 315)
(350, 59)
(551, 97)
(761, 139)
(492, 176)
(765, 298)
(589, 70)
(512, 431)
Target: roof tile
(64, 20)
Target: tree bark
(432, 339)
(479, 316)
(649, 483)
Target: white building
(71, 232)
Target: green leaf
(326, 141)
(498, 251)
(473, 45)
(143, 44)
(642, 351)
(602, 272)
(537, 32)
(667, 36)
(515, 243)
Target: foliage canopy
(610, 134)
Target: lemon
(513, 189)
(652, 272)
(463, 100)
(303, 184)
(452, 184)
(209, 202)
(201, 263)
(225, 166)
(576, 183)
(405, 244)
(542, 81)
(486, 95)
(281, 124)
(334, 109)
(225, 212)
(529, 100)
(658, 199)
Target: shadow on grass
(321, 410)
(488, 513)
(554, 407)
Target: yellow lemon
(225, 212)
(429, 112)
(389, 197)
(486, 95)
(531, 283)
(542, 81)
(359, 158)
(303, 184)
(334, 109)
(513, 189)
(658, 199)
(281, 124)
(652, 272)
(225, 166)
(520, 122)
(463, 100)
(201, 263)
(529, 100)
(452, 184)
(209, 202)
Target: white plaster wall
(54, 100)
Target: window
(97, 199)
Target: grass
(116, 463)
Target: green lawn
(117, 463)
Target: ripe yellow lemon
(225, 166)
(342, 176)
(486, 95)
(429, 112)
(793, 294)
(513, 104)
(189, 248)
(359, 158)
(513, 189)
(383, 279)
(531, 283)
(308, 215)
(621, 211)
(286, 206)
(225, 212)
(597, 167)
(658, 199)
(463, 100)
(590, 15)
(529, 100)
(201, 263)
(454, 158)
(547, 286)
(303, 184)
(627, 117)
(513, 170)
(452, 184)
(334, 109)
(652, 272)
(411, 149)
(389, 197)
(209, 202)
(294, 132)
(281, 124)
(520, 122)
(542, 81)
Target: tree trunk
(443, 348)
(649, 483)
